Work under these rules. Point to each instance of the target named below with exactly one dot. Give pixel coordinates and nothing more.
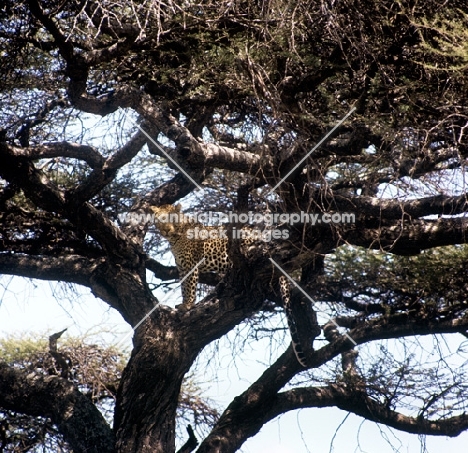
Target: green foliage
(436, 276)
(445, 37)
(90, 366)
(96, 371)
(16, 350)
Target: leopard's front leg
(189, 288)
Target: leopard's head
(169, 219)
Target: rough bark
(77, 418)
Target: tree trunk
(149, 390)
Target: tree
(94, 369)
(232, 97)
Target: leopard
(198, 248)
(192, 252)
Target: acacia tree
(235, 95)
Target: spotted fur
(189, 251)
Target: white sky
(30, 307)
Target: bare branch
(62, 149)
(72, 268)
(355, 400)
(105, 174)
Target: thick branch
(19, 170)
(390, 209)
(62, 149)
(65, 46)
(161, 271)
(109, 53)
(78, 420)
(246, 415)
(243, 417)
(44, 194)
(122, 290)
(358, 402)
(409, 238)
(102, 176)
(235, 160)
(71, 268)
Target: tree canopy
(111, 107)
